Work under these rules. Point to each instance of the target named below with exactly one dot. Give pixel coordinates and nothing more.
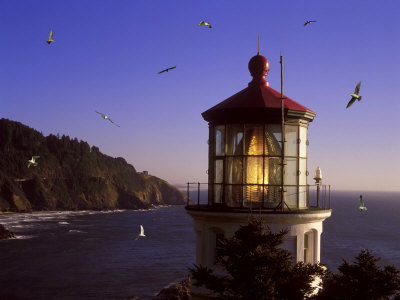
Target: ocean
(94, 255)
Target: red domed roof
(256, 103)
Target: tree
(361, 280)
(256, 267)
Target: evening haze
(107, 54)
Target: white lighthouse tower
(251, 173)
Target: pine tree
(361, 280)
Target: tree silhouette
(361, 280)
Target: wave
(24, 237)
(75, 231)
(63, 223)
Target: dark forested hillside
(70, 175)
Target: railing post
(198, 194)
(187, 194)
(329, 196)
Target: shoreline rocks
(175, 291)
(5, 234)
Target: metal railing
(318, 196)
(198, 192)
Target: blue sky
(106, 56)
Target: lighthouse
(257, 166)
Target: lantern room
(246, 157)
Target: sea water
(94, 255)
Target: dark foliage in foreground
(256, 267)
(361, 280)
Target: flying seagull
(204, 23)
(107, 118)
(141, 234)
(50, 40)
(308, 22)
(362, 206)
(166, 70)
(33, 161)
(355, 96)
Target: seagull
(204, 23)
(141, 234)
(107, 118)
(362, 206)
(33, 161)
(50, 40)
(166, 70)
(355, 96)
(308, 22)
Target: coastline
(153, 206)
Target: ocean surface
(94, 255)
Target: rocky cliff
(71, 176)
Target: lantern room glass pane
(219, 171)
(253, 195)
(272, 196)
(273, 137)
(291, 196)
(220, 140)
(303, 171)
(303, 141)
(233, 170)
(272, 171)
(233, 195)
(217, 193)
(254, 170)
(254, 139)
(234, 136)
(303, 197)
(291, 140)
(291, 171)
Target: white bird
(50, 40)
(204, 23)
(107, 118)
(362, 206)
(355, 96)
(33, 161)
(141, 234)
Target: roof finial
(258, 50)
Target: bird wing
(306, 23)
(357, 90)
(162, 71)
(171, 68)
(141, 230)
(103, 115)
(201, 23)
(35, 157)
(51, 35)
(351, 102)
(113, 122)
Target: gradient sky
(106, 56)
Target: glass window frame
(225, 155)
